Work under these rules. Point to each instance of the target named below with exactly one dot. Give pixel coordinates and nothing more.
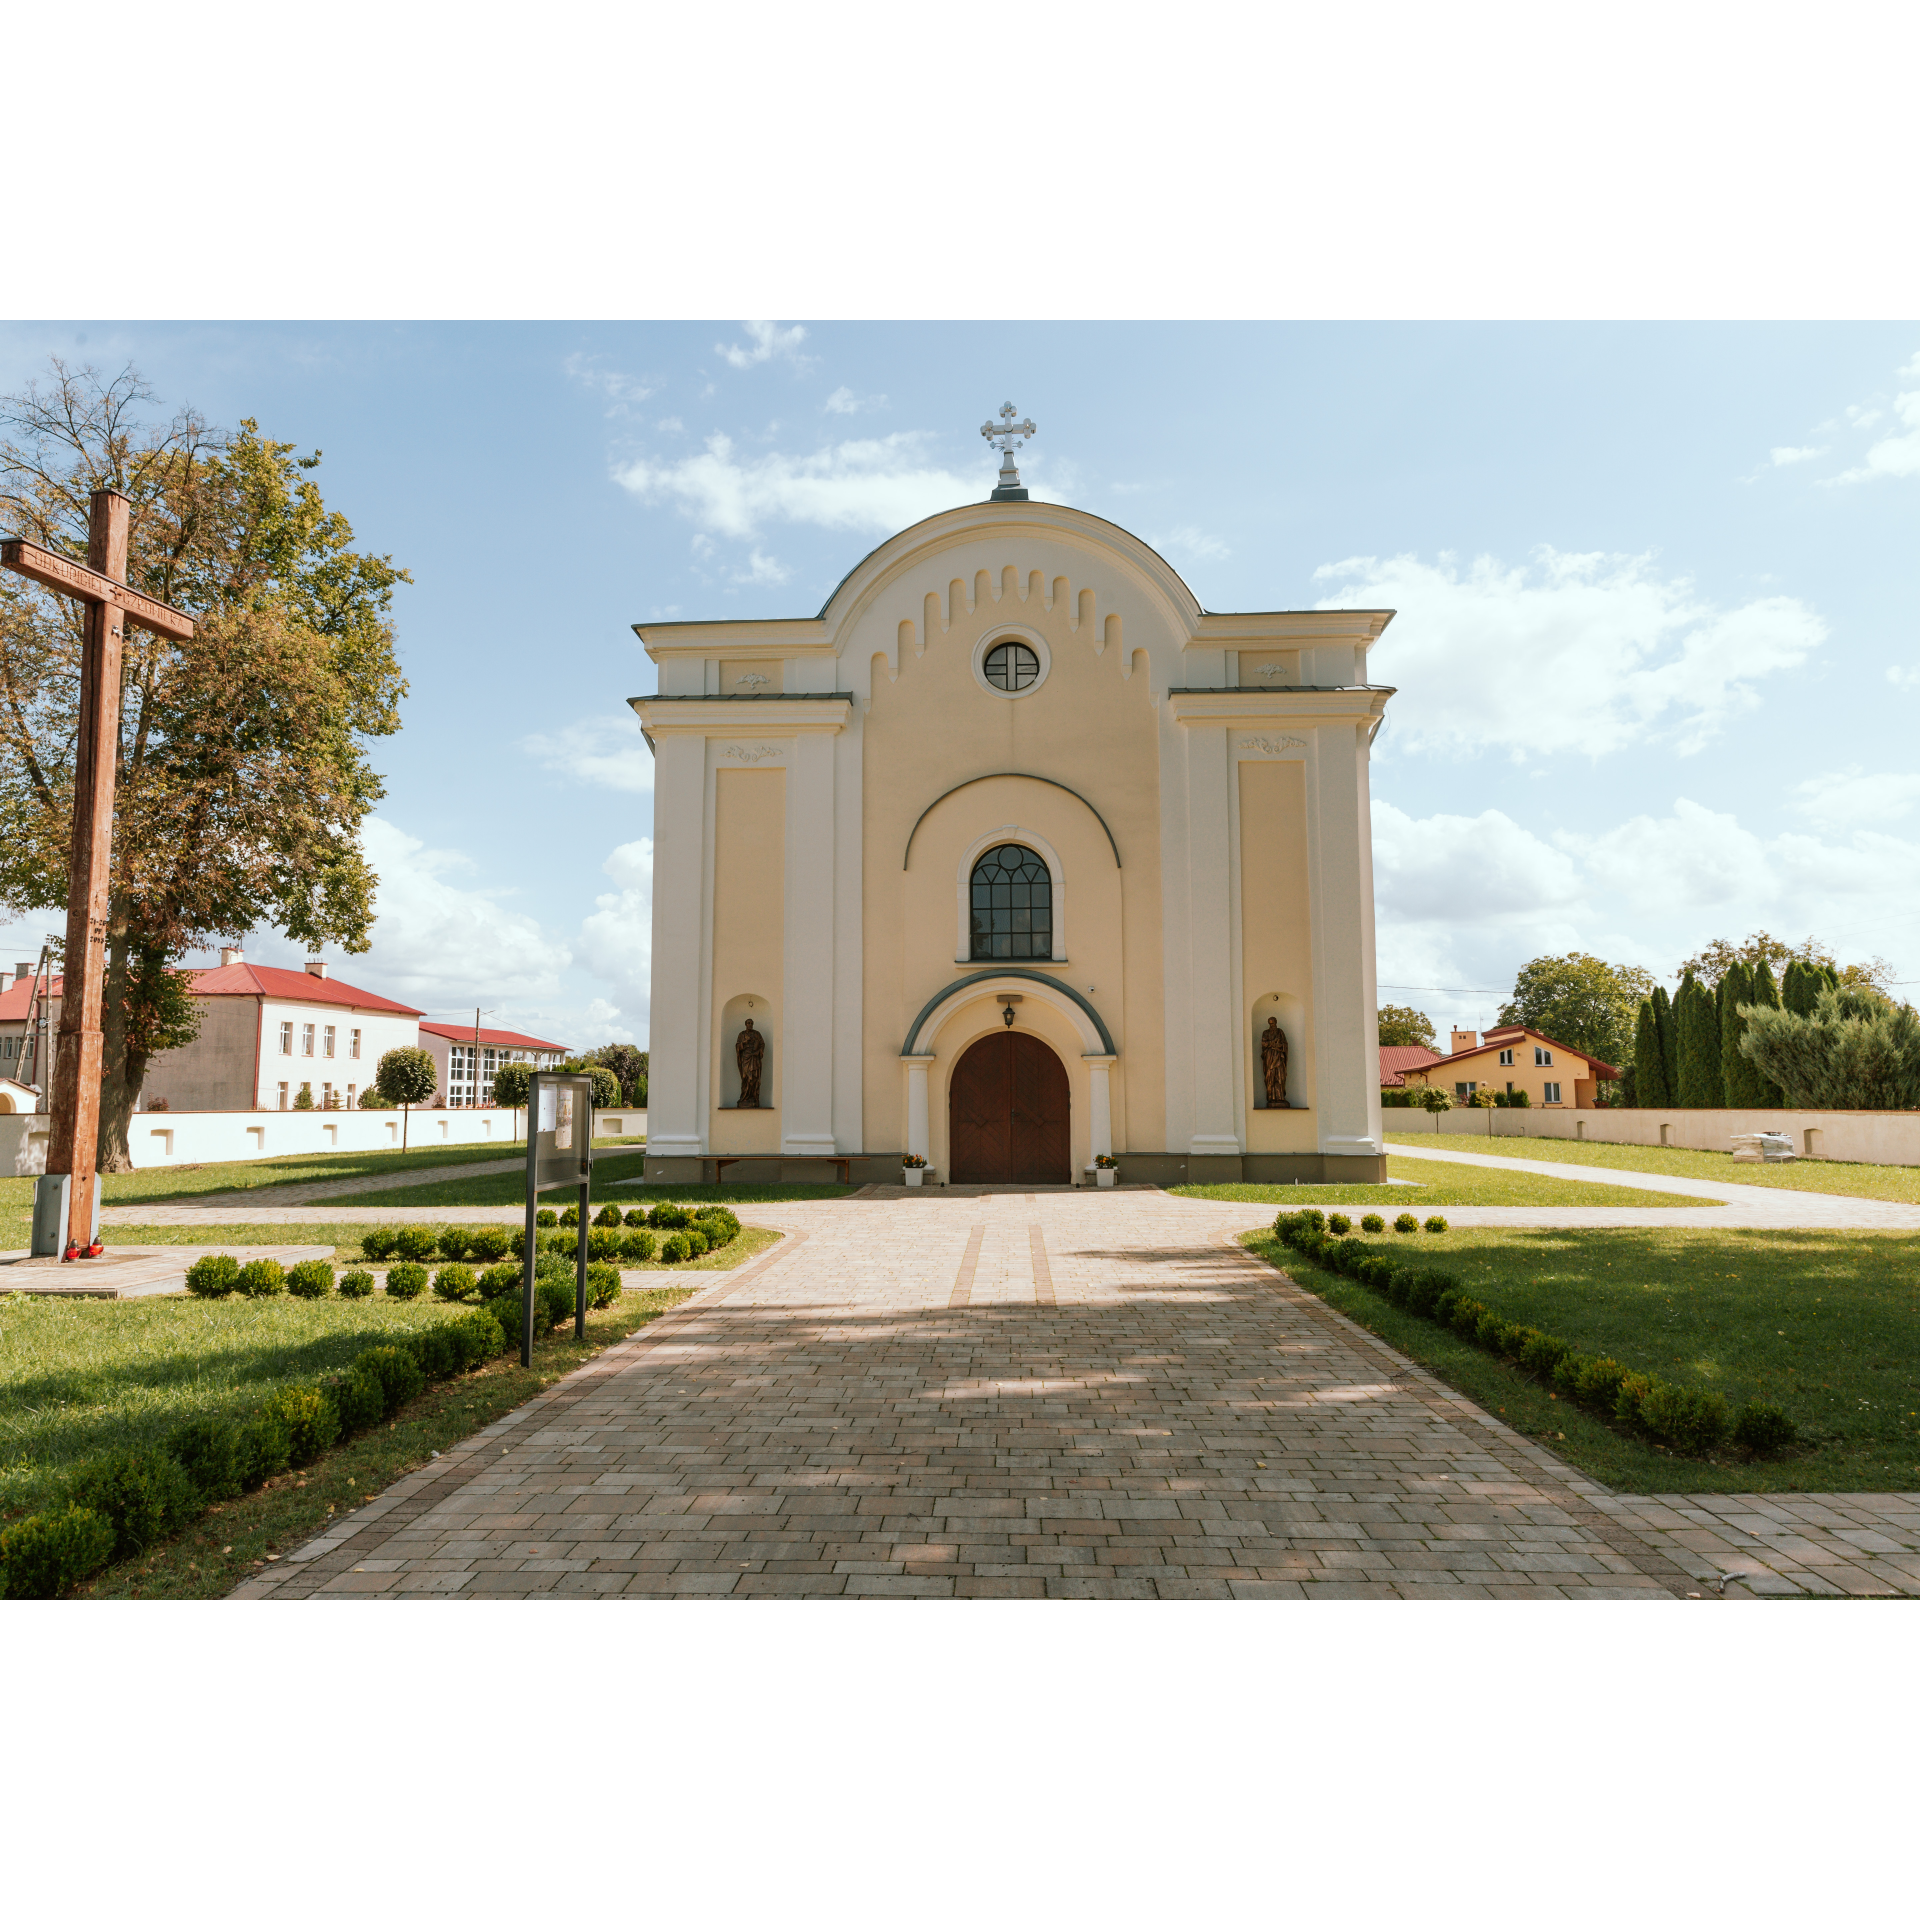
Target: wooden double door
(1008, 1111)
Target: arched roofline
(983, 981)
(1044, 781)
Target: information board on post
(559, 1154)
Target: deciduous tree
(1581, 1001)
(1406, 1027)
(406, 1076)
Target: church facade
(1015, 858)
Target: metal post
(533, 1207)
(580, 1278)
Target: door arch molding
(979, 986)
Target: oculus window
(1012, 905)
(1011, 667)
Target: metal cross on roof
(1003, 439)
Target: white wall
(379, 1033)
(182, 1139)
(628, 1123)
(1881, 1139)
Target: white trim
(1011, 630)
(963, 894)
(985, 986)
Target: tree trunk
(119, 1078)
(406, 1115)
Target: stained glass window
(1012, 906)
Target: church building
(1014, 858)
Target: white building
(466, 1057)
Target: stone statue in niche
(749, 1053)
(1273, 1062)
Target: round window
(1011, 667)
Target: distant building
(1395, 1062)
(466, 1057)
(266, 1033)
(1513, 1060)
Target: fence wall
(1884, 1139)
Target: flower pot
(915, 1175)
(1104, 1176)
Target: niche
(733, 1023)
(1285, 1009)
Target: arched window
(1012, 910)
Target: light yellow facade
(1532, 1063)
(1194, 785)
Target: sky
(1657, 637)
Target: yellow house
(1514, 1060)
(1015, 857)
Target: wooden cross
(101, 586)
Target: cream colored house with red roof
(1512, 1060)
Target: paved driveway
(990, 1393)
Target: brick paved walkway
(1055, 1394)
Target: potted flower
(916, 1166)
(1106, 1169)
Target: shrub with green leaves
(1426, 1293)
(1436, 1223)
(143, 1494)
(456, 1283)
(209, 1449)
(311, 1419)
(603, 1284)
(1541, 1353)
(675, 1248)
(697, 1241)
(489, 1243)
(491, 1282)
(416, 1242)
(708, 1218)
(454, 1241)
(310, 1280)
(406, 1281)
(481, 1337)
(565, 1244)
(1406, 1223)
(570, 1216)
(608, 1216)
(356, 1283)
(1630, 1396)
(1339, 1223)
(637, 1245)
(48, 1554)
(263, 1449)
(213, 1276)
(508, 1310)
(357, 1399)
(667, 1214)
(1688, 1419)
(545, 1217)
(636, 1217)
(554, 1266)
(258, 1278)
(554, 1301)
(1372, 1223)
(378, 1243)
(440, 1351)
(396, 1372)
(1764, 1428)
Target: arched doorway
(1007, 1114)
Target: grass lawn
(230, 1541)
(1443, 1185)
(1854, 1177)
(1826, 1325)
(510, 1190)
(80, 1376)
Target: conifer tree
(1697, 1015)
(1745, 1085)
(1649, 1065)
(1663, 1019)
(1767, 994)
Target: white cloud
(438, 944)
(1787, 456)
(1192, 542)
(1905, 678)
(763, 570)
(845, 400)
(1855, 799)
(616, 939)
(881, 484)
(670, 423)
(1494, 656)
(770, 342)
(604, 752)
(622, 390)
(1897, 457)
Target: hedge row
(1686, 1419)
(124, 1502)
(605, 1239)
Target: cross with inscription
(101, 587)
(1003, 439)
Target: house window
(1506, 1060)
(286, 1036)
(353, 1044)
(283, 1085)
(326, 1093)
(1543, 1056)
(1463, 1090)
(1552, 1093)
(326, 1043)
(353, 1095)
(306, 1039)
(1012, 906)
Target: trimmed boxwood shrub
(545, 1217)
(697, 1242)
(439, 1351)
(1406, 1223)
(377, 1243)
(481, 1337)
(489, 1243)
(491, 1282)
(637, 1246)
(213, 1275)
(1339, 1223)
(1435, 1223)
(603, 1243)
(356, 1283)
(675, 1248)
(358, 1399)
(311, 1419)
(636, 1217)
(416, 1243)
(395, 1370)
(47, 1554)
(710, 1217)
(553, 1302)
(261, 1277)
(1764, 1428)
(310, 1280)
(608, 1216)
(1688, 1419)
(565, 1245)
(1427, 1291)
(455, 1283)
(263, 1450)
(508, 1311)
(603, 1284)
(142, 1494)
(210, 1452)
(1542, 1353)
(1372, 1223)
(554, 1266)
(667, 1214)
(454, 1242)
(570, 1216)
(406, 1281)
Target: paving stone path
(1091, 1394)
